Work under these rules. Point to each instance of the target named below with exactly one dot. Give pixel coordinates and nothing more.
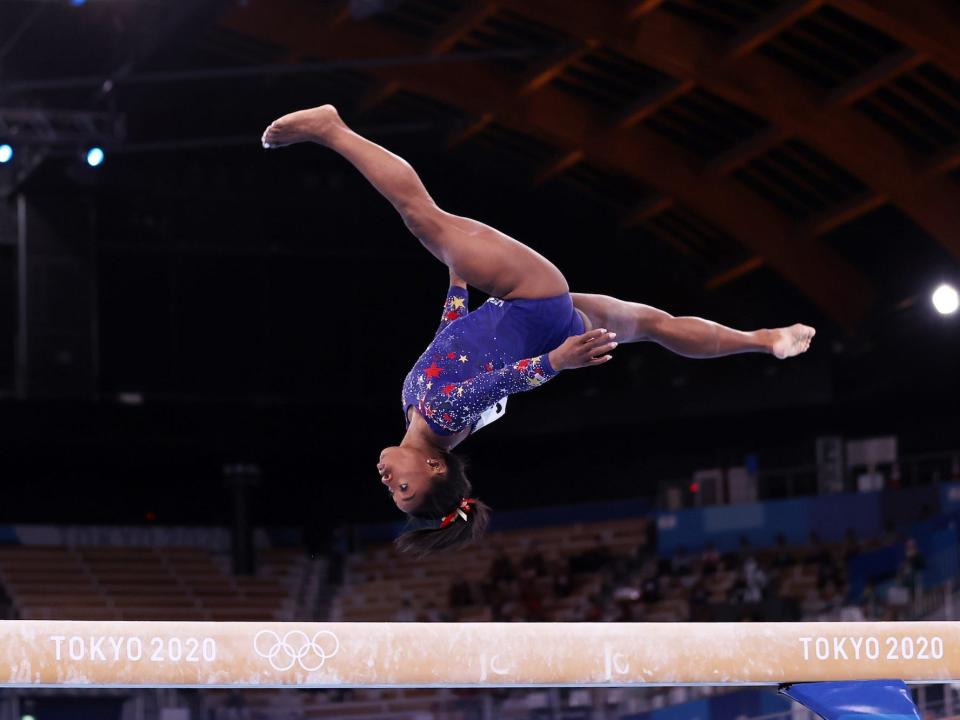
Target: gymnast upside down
(530, 329)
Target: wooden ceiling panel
(610, 79)
(419, 18)
(922, 108)
(491, 27)
(617, 188)
(929, 26)
(830, 47)
(726, 16)
(532, 149)
(402, 105)
(705, 124)
(716, 247)
(801, 181)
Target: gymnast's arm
(452, 404)
(455, 306)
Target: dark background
(265, 306)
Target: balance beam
(54, 653)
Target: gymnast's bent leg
(691, 337)
(484, 257)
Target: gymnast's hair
(445, 494)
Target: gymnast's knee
(423, 218)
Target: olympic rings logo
(296, 647)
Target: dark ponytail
(446, 492)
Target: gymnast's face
(407, 473)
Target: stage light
(78, 3)
(945, 299)
(6, 153)
(94, 157)
(27, 717)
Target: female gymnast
(530, 329)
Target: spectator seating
(377, 582)
(145, 583)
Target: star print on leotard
(468, 368)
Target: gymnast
(530, 329)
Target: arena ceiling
(754, 161)
(742, 134)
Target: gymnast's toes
(312, 125)
(791, 341)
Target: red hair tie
(461, 510)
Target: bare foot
(790, 341)
(311, 125)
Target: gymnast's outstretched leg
(689, 336)
(484, 257)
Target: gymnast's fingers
(603, 349)
(592, 335)
(593, 343)
(599, 360)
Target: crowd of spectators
(6, 604)
(781, 583)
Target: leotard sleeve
(454, 307)
(453, 406)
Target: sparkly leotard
(478, 357)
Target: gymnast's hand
(585, 350)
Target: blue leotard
(478, 357)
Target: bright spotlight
(94, 157)
(78, 3)
(945, 299)
(27, 717)
(6, 153)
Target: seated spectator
(593, 559)
(868, 601)
(832, 601)
(817, 552)
(533, 563)
(559, 572)
(782, 557)
(531, 600)
(733, 560)
(628, 590)
(494, 595)
(640, 556)
(681, 564)
(431, 613)
(699, 599)
(594, 610)
(501, 569)
(828, 569)
(6, 604)
(755, 581)
(405, 613)
(737, 590)
(461, 594)
(891, 536)
(910, 573)
(650, 587)
(851, 545)
(709, 559)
